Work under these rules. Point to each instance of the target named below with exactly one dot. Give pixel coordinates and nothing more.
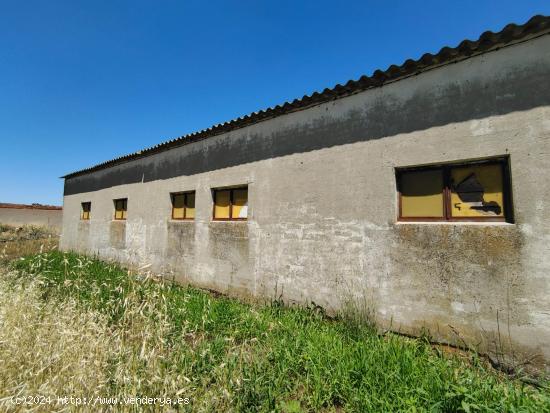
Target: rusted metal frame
(230, 204)
(447, 207)
(214, 205)
(507, 191)
(480, 161)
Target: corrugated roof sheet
(488, 41)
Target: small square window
(231, 204)
(183, 205)
(85, 212)
(472, 191)
(121, 207)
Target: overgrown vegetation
(71, 325)
(25, 240)
(25, 233)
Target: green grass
(229, 356)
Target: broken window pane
(477, 191)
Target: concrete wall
(322, 221)
(26, 216)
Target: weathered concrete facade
(40, 215)
(322, 223)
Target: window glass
(222, 204)
(422, 194)
(231, 203)
(240, 203)
(190, 205)
(178, 206)
(120, 208)
(477, 191)
(183, 205)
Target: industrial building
(420, 193)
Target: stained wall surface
(322, 225)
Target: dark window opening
(86, 210)
(121, 207)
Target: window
(231, 204)
(473, 191)
(86, 209)
(121, 206)
(183, 205)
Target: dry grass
(15, 249)
(22, 241)
(50, 350)
(56, 348)
(25, 232)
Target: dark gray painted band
(459, 102)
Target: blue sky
(87, 81)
